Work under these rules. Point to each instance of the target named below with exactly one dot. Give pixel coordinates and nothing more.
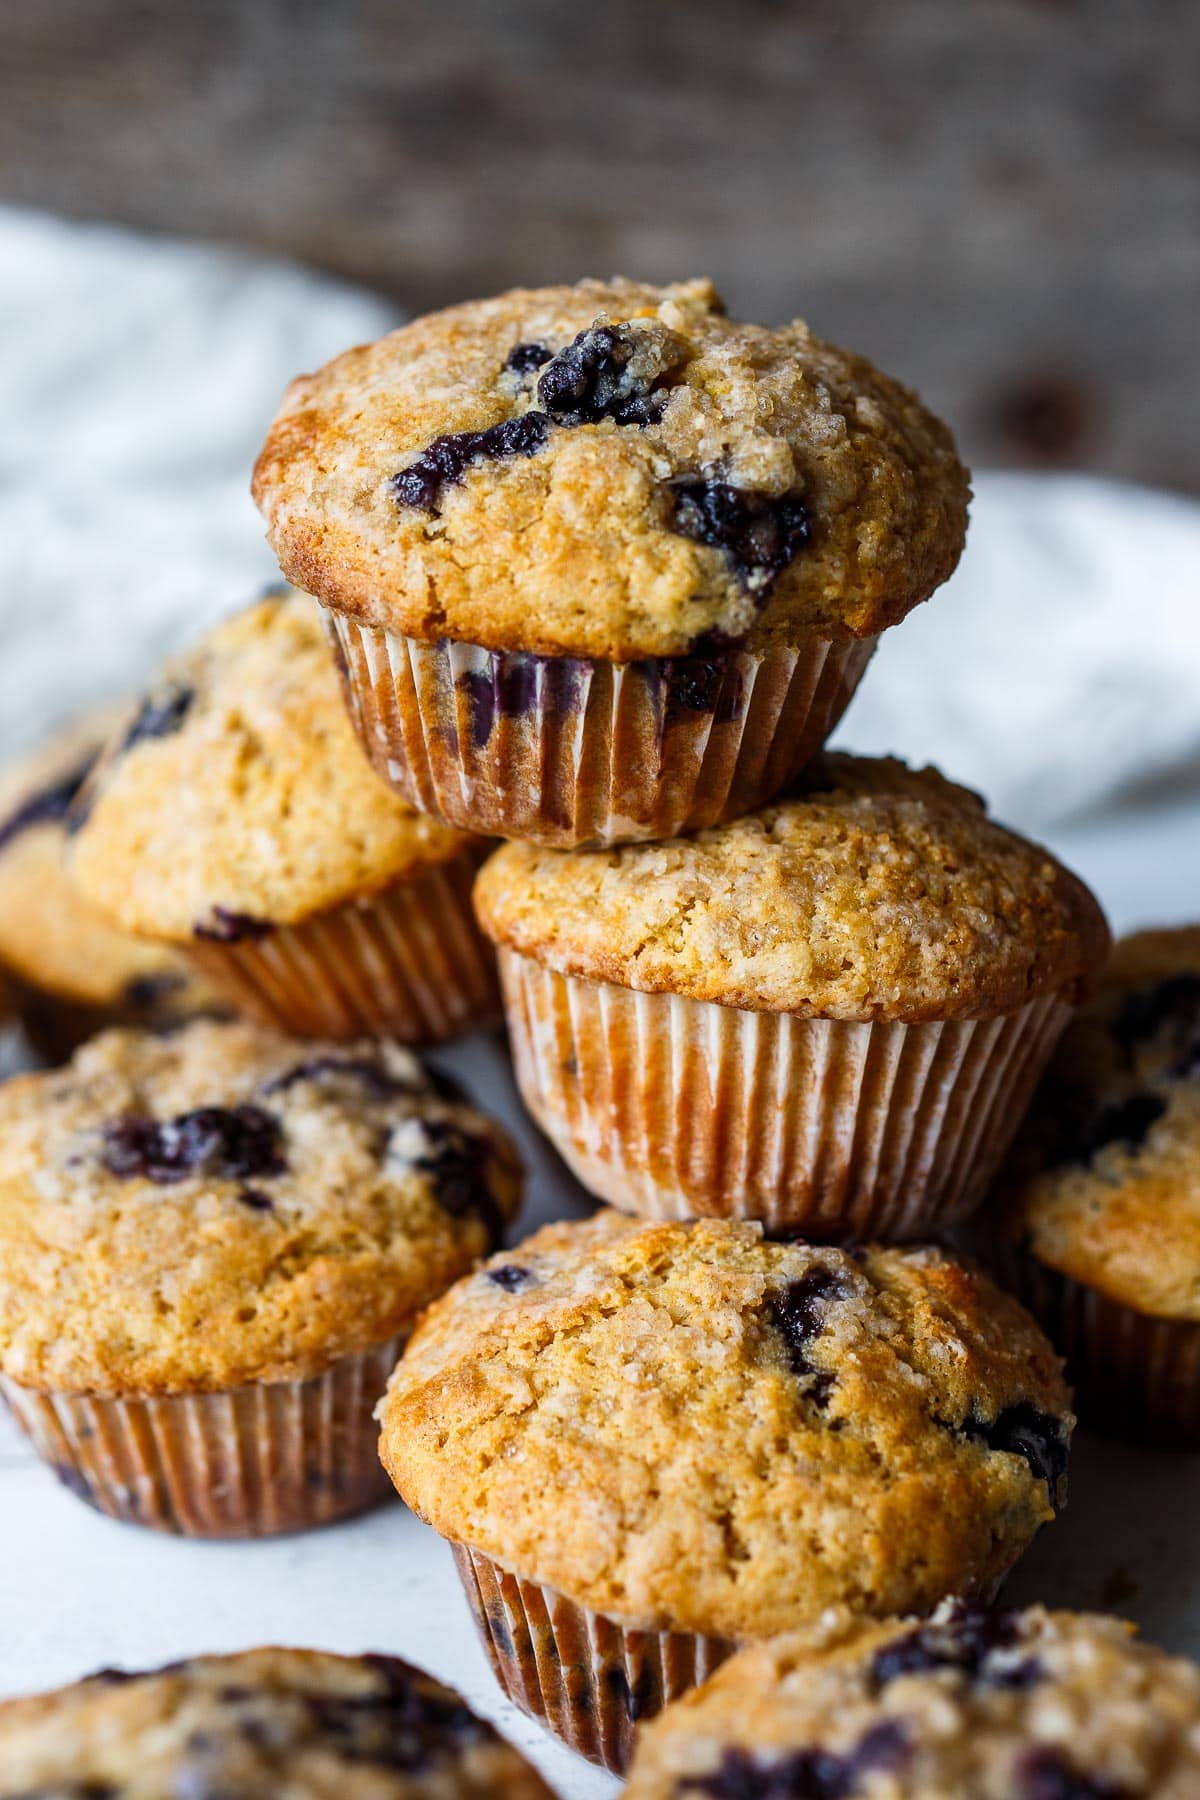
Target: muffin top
(1103, 1183)
(259, 1726)
(1021, 1705)
(871, 891)
(688, 1425)
(50, 937)
(224, 1205)
(238, 796)
(610, 470)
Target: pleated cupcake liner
(249, 1461)
(408, 964)
(588, 1677)
(569, 751)
(1135, 1376)
(676, 1108)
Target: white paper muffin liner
(676, 1108)
(1134, 1375)
(249, 1461)
(569, 751)
(590, 1678)
(409, 964)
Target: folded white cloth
(1059, 672)
(136, 384)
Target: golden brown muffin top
(239, 792)
(224, 1205)
(999, 1706)
(610, 470)
(690, 1426)
(264, 1725)
(872, 891)
(50, 937)
(1103, 1183)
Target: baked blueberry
(160, 715)
(225, 926)
(798, 1314)
(422, 483)
(238, 1143)
(759, 533)
(802, 1774)
(525, 359)
(606, 373)
(49, 805)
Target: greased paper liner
(567, 751)
(1134, 1375)
(250, 1461)
(409, 964)
(590, 1678)
(676, 1108)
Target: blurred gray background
(999, 200)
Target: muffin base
(675, 1108)
(1135, 1376)
(408, 964)
(589, 1678)
(569, 751)
(250, 1461)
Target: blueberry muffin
(1098, 1210)
(998, 1706)
(259, 1726)
(603, 563)
(236, 819)
(212, 1246)
(649, 1441)
(828, 1015)
(68, 972)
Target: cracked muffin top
(610, 470)
(258, 1726)
(50, 936)
(870, 891)
(238, 796)
(690, 1426)
(224, 1205)
(1030, 1705)
(1103, 1183)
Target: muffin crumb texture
(239, 798)
(1028, 1705)
(255, 1726)
(610, 470)
(695, 1428)
(871, 891)
(187, 1213)
(52, 941)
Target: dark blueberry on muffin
(759, 533)
(448, 458)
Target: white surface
(1059, 672)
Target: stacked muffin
(600, 570)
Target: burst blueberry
(760, 534)
(798, 1313)
(238, 1143)
(590, 380)
(423, 482)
